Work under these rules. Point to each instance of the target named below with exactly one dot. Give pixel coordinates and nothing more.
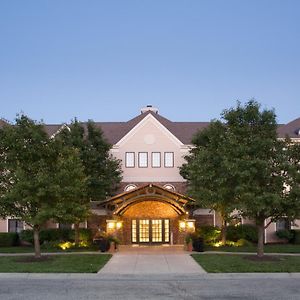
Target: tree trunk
(76, 228)
(260, 244)
(223, 231)
(36, 238)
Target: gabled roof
(183, 131)
(147, 192)
(291, 129)
(123, 196)
(3, 123)
(114, 131)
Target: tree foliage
(209, 172)
(102, 170)
(248, 167)
(27, 167)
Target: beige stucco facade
(150, 136)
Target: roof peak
(149, 108)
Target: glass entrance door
(150, 231)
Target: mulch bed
(262, 259)
(31, 259)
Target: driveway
(152, 260)
(159, 287)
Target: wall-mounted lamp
(112, 225)
(187, 225)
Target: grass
(276, 248)
(220, 263)
(81, 263)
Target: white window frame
(139, 160)
(132, 165)
(153, 161)
(165, 159)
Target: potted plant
(114, 243)
(188, 243)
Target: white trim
(59, 130)
(142, 123)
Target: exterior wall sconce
(190, 224)
(119, 225)
(187, 225)
(112, 225)
(182, 225)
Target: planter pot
(103, 244)
(112, 247)
(189, 247)
(198, 244)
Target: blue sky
(104, 60)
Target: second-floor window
(129, 160)
(169, 159)
(143, 159)
(155, 160)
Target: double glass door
(150, 231)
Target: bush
(8, 239)
(243, 231)
(210, 234)
(296, 239)
(286, 234)
(53, 234)
(26, 235)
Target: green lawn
(276, 248)
(81, 263)
(221, 263)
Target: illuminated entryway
(150, 231)
(149, 215)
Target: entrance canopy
(150, 192)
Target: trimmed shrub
(209, 234)
(8, 239)
(286, 234)
(57, 234)
(296, 239)
(243, 231)
(26, 235)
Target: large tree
(209, 174)
(72, 206)
(263, 166)
(28, 170)
(101, 169)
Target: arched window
(130, 187)
(169, 187)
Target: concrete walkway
(147, 261)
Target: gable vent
(149, 108)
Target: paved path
(144, 264)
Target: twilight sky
(104, 60)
